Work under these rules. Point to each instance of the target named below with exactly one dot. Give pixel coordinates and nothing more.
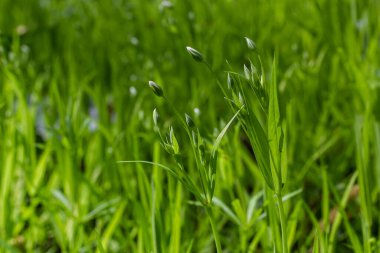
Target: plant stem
(214, 230)
(284, 236)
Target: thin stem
(214, 230)
(284, 236)
(216, 78)
(243, 240)
(196, 155)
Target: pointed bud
(155, 116)
(189, 121)
(173, 141)
(156, 89)
(253, 71)
(241, 100)
(195, 54)
(250, 43)
(230, 81)
(247, 72)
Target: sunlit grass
(265, 135)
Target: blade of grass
(116, 219)
(343, 201)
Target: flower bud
(155, 116)
(173, 141)
(189, 121)
(250, 43)
(230, 81)
(156, 89)
(195, 54)
(247, 72)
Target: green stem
(216, 78)
(243, 240)
(196, 155)
(284, 236)
(214, 230)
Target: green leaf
(39, 171)
(259, 142)
(223, 132)
(102, 208)
(116, 219)
(284, 154)
(189, 248)
(219, 203)
(274, 131)
(342, 204)
(239, 211)
(63, 200)
(316, 243)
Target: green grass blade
(274, 131)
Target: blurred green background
(74, 100)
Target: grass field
(190, 126)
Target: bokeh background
(74, 100)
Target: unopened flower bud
(155, 116)
(195, 54)
(156, 89)
(189, 121)
(230, 81)
(250, 43)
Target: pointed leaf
(274, 131)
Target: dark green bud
(189, 121)
(195, 54)
(156, 89)
(247, 72)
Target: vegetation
(189, 126)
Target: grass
(265, 132)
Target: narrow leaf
(274, 131)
